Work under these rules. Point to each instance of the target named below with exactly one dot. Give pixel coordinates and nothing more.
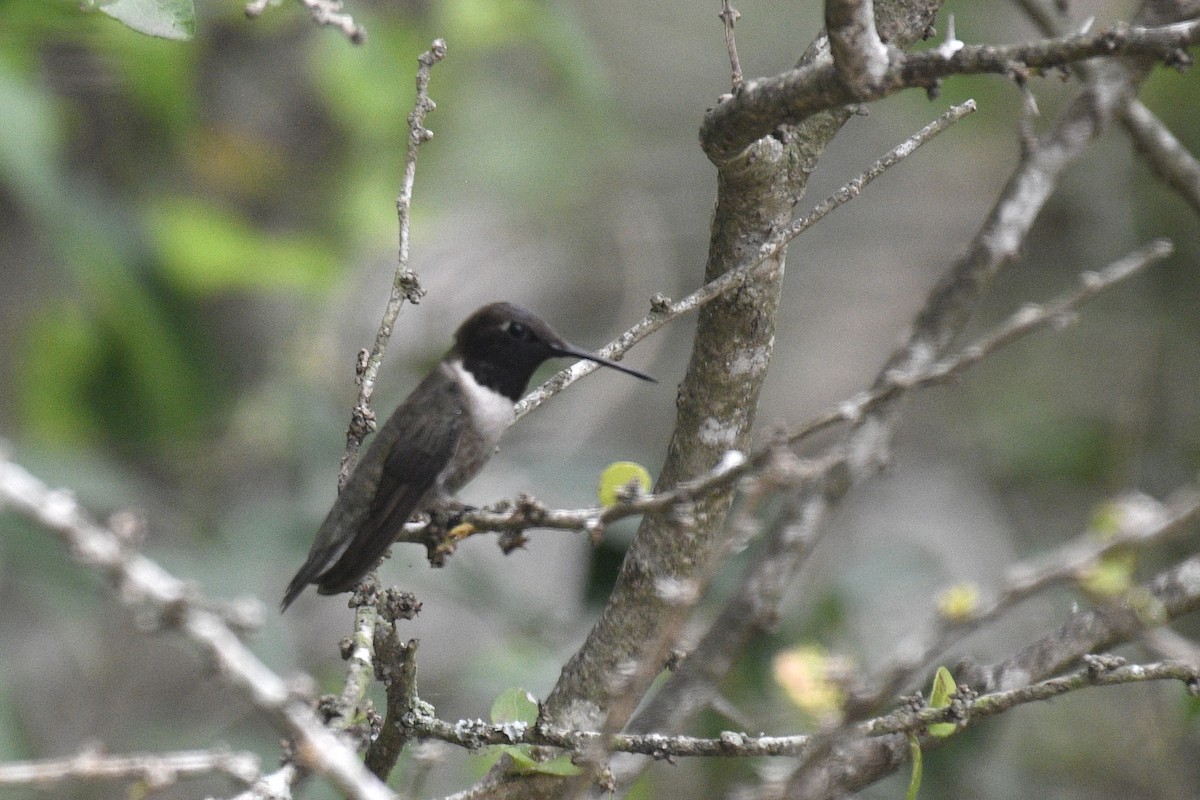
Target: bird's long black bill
(566, 349)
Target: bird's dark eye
(518, 331)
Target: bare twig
(729, 16)
(145, 586)
(405, 284)
(664, 310)
(156, 770)
(323, 12)
(528, 513)
(1139, 521)
(359, 652)
(396, 667)
(1165, 154)
(1100, 671)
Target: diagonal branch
(1140, 522)
(664, 310)
(144, 585)
(528, 513)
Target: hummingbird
(434, 442)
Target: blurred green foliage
(155, 190)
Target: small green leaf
(943, 689)
(1106, 520)
(914, 783)
(561, 765)
(1111, 577)
(164, 19)
(524, 764)
(519, 753)
(617, 476)
(514, 705)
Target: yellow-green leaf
(959, 603)
(914, 782)
(1111, 577)
(617, 476)
(804, 673)
(944, 688)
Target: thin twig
(528, 513)
(1166, 155)
(1140, 521)
(730, 15)
(405, 284)
(359, 653)
(156, 770)
(145, 586)
(664, 310)
(1100, 671)
(323, 12)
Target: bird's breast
(489, 413)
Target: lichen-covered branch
(865, 448)
(853, 761)
(323, 12)
(763, 104)
(157, 771)
(143, 585)
(1138, 521)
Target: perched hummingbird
(434, 442)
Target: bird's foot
(446, 529)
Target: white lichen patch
(581, 715)
(676, 591)
(750, 362)
(714, 433)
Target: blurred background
(197, 237)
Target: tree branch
(859, 56)
(1099, 671)
(1139, 521)
(324, 12)
(145, 586)
(763, 104)
(664, 310)
(405, 284)
(865, 448)
(156, 770)
(527, 513)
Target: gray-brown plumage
(433, 443)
